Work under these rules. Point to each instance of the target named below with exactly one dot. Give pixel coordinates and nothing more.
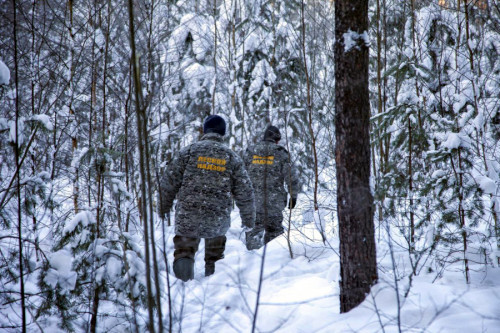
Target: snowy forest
(98, 96)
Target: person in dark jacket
(270, 170)
(205, 177)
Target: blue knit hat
(214, 124)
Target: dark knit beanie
(272, 133)
(214, 124)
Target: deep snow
(301, 294)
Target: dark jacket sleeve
(243, 193)
(247, 157)
(171, 182)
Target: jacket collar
(269, 140)
(212, 136)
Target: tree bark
(147, 158)
(358, 266)
(140, 114)
(18, 183)
(74, 140)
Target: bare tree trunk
(74, 140)
(358, 265)
(18, 182)
(100, 162)
(457, 50)
(231, 51)
(461, 214)
(395, 276)
(497, 231)
(33, 112)
(461, 211)
(165, 258)
(151, 224)
(388, 138)
(310, 111)
(145, 136)
(141, 119)
(105, 130)
(215, 55)
(410, 184)
(379, 96)
(126, 144)
(410, 134)
(262, 263)
(287, 115)
(127, 217)
(383, 150)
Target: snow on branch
(353, 39)
(85, 218)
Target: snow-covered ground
(301, 294)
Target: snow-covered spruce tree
(74, 151)
(310, 125)
(86, 104)
(402, 170)
(79, 262)
(190, 51)
(103, 156)
(254, 71)
(267, 68)
(456, 155)
(481, 42)
(490, 64)
(436, 122)
(27, 162)
(164, 134)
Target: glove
(292, 202)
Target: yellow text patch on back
(210, 163)
(263, 159)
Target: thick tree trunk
(354, 199)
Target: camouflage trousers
(264, 232)
(186, 247)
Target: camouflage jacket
(205, 176)
(270, 170)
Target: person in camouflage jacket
(204, 177)
(270, 170)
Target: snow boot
(209, 268)
(184, 269)
(254, 240)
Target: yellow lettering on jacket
(211, 163)
(261, 160)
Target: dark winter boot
(269, 236)
(184, 269)
(254, 239)
(209, 268)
